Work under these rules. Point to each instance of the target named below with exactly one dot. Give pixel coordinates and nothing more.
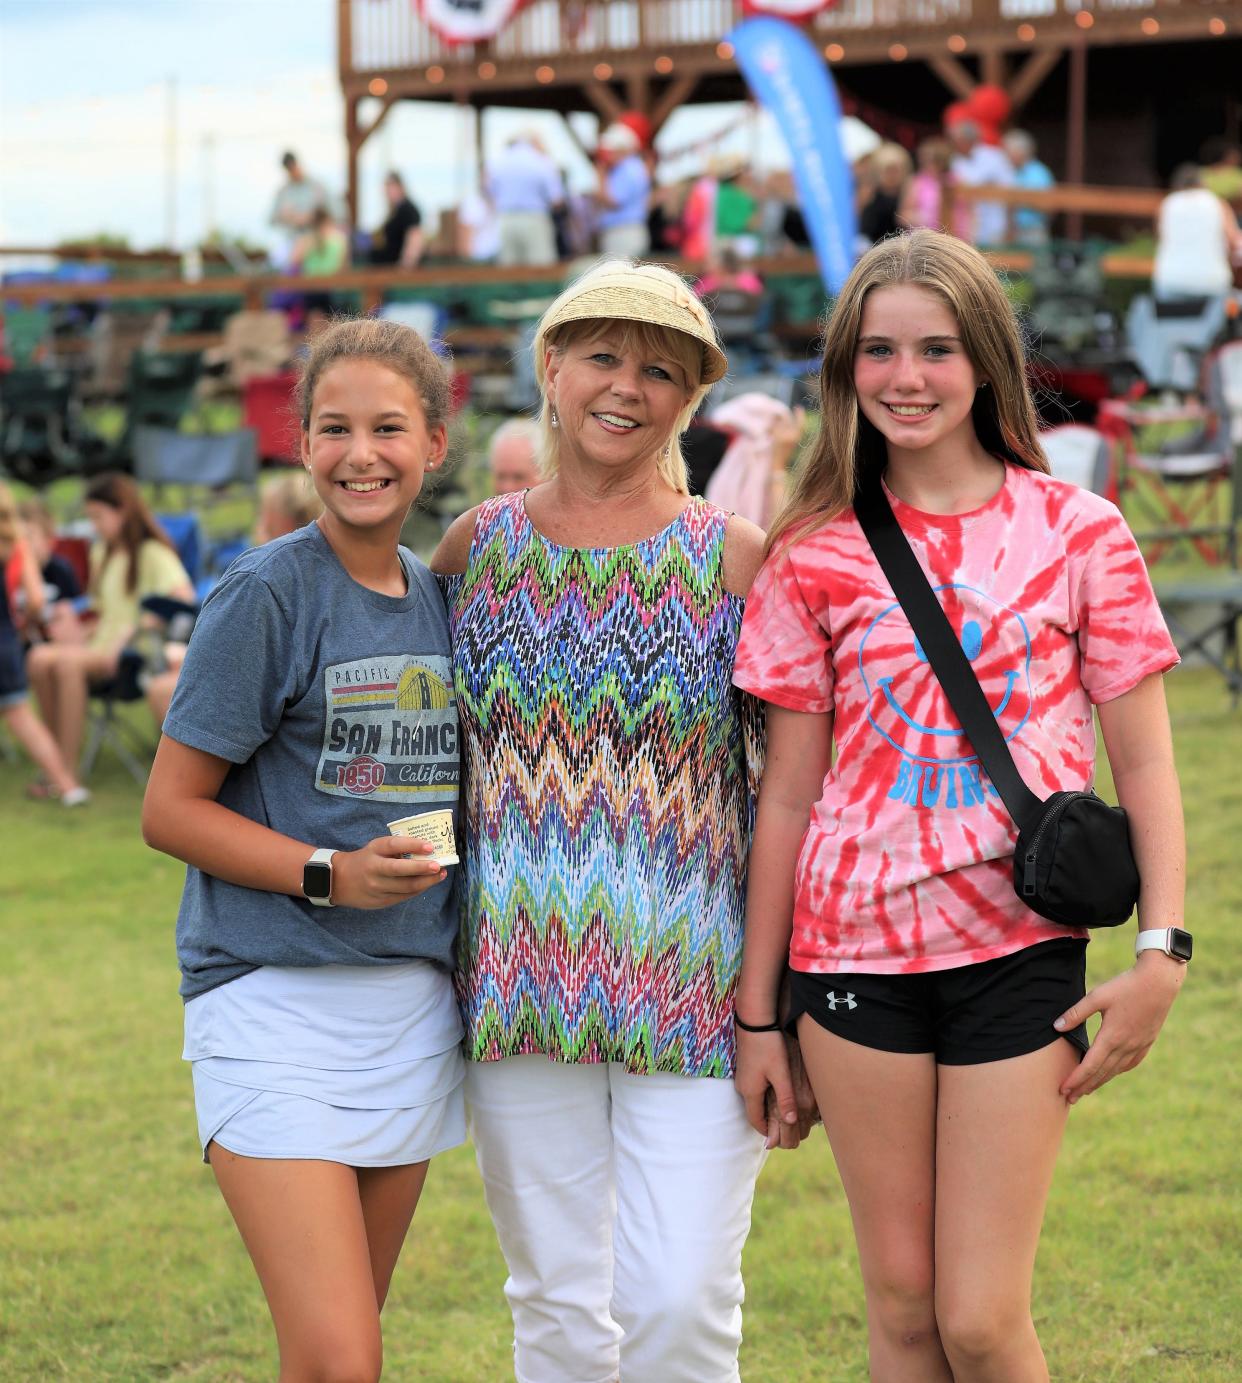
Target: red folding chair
(1174, 460)
(268, 407)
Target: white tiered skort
(353, 1064)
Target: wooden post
(1076, 130)
(352, 144)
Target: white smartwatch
(1173, 941)
(317, 878)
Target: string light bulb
(834, 52)
(956, 43)
(898, 52)
(1026, 32)
(377, 86)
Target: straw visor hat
(618, 291)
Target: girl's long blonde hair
(849, 448)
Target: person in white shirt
(1197, 237)
(976, 164)
(524, 185)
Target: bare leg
(73, 669)
(879, 1111)
(40, 662)
(305, 1227)
(36, 739)
(998, 1132)
(389, 1198)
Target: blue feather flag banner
(787, 76)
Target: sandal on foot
(40, 790)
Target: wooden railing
(381, 36)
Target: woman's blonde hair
(849, 448)
(690, 352)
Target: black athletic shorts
(973, 1013)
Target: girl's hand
(767, 1087)
(385, 871)
(1133, 1006)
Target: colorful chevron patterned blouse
(608, 803)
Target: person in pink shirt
(941, 1022)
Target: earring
(554, 421)
(983, 384)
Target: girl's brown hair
(397, 347)
(849, 448)
(138, 524)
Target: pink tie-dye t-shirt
(907, 862)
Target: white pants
(621, 1203)
(526, 237)
(626, 242)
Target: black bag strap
(944, 652)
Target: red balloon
(990, 105)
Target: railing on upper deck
(388, 35)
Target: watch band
(1161, 939)
(321, 856)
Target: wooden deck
(541, 60)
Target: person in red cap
(623, 193)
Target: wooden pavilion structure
(907, 57)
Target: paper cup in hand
(435, 827)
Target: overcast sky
(157, 119)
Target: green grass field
(119, 1260)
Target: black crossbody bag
(1073, 862)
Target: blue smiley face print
(905, 704)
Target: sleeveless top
(1192, 251)
(608, 800)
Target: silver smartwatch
(317, 878)
(1173, 941)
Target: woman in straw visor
(594, 619)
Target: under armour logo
(834, 999)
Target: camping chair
(1203, 612)
(254, 343)
(107, 726)
(1174, 461)
(1169, 338)
(204, 466)
(268, 409)
(114, 337)
(36, 425)
(1082, 455)
(161, 388)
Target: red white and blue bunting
(786, 9)
(467, 21)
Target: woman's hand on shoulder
(453, 553)
(387, 870)
(743, 554)
(1133, 1007)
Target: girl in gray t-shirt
(316, 705)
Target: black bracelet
(756, 1027)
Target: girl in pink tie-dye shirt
(941, 1021)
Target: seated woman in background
(21, 583)
(132, 559)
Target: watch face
(317, 879)
(1181, 944)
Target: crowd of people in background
(526, 213)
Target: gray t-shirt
(335, 706)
